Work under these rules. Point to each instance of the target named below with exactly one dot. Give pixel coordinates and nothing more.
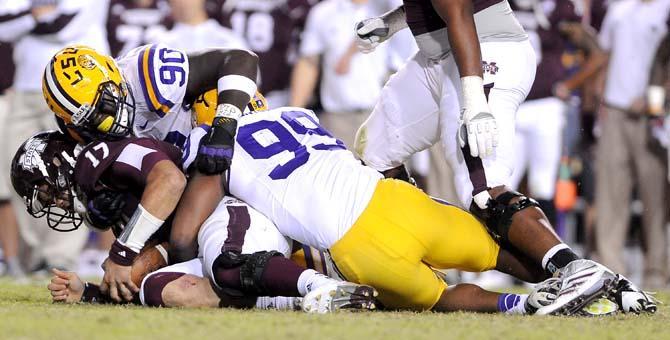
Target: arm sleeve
(163, 74)
(312, 43)
(15, 21)
(605, 35)
(138, 158)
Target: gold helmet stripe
(59, 95)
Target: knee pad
(251, 268)
(499, 212)
(152, 289)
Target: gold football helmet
(204, 107)
(88, 94)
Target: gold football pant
(400, 235)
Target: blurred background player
(9, 230)
(193, 30)
(132, 23)
(271, 29)
(41, 29)
(554, 27)
(350, 81)
(627, 155)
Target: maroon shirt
(121, 166)
(6, 67)
(129, 25)
(272, 32)
(422, 17)
(551, 69)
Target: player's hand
(117, 282)
(216, 148)
(105, 209)
(479, 130)
(370, 33)
(65, 287)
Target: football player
(382, 232)
(146, 93)
(143, 178)
(474, 67)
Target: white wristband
(473, 91)
(228, 111)
(138, 230)
(236, 82)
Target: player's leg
(404, 121)
(244, 252)
(529, 230)
(524, 117)
(545, 152)
(401, 236)
(178, 285)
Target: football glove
(370, 33)
(105, 209)
(216, 148)
(478, 127)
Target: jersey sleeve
(162, 74)
(134, 163)
(311, 41)
(121, 165)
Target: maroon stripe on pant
(474, 164)
(238, 224)
(154, 285)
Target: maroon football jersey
(554, 45)
(6, 67)
(271, 29)
(122, 166)
(422, 17)
(130, 25)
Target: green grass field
(27, 313)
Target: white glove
(370, 33)
(478, 127)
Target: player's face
(48, 196)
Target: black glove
(105, 209)
(216, 148)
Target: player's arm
(585, 39)
(303, 80)
(373, 31)
(151, 167)
(233, 73)
(658, 78)
(479, 123)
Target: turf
(27, 313)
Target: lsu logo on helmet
(88, 94)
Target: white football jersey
(157, 75)
(297, 174)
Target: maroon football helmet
(41, 173)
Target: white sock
(520, 307)
(310, 279)
(551, 252)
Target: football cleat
(600, 307)
(632, 299)
(341, 295)
(582, 282)
(543, 294)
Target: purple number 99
(285, 141)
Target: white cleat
(341, 295)
(582, 282)
(632, 299)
